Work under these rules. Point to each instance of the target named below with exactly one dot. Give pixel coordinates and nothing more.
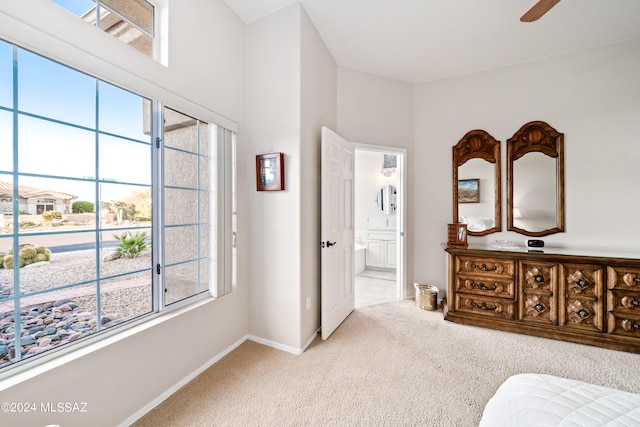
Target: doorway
(380, 218)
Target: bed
(547, 400)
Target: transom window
(131, 21)
(89, 239)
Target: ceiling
(423, 40)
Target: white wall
(591, 96)
(291, 94)
(273, 125)
(379, 111)
(205, 75)
(319, 104)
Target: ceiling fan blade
(538, 10)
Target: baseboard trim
(184, 381)
(276, 345)
(311, 340)
(288, 349)
(177, 386)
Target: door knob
(329, 244)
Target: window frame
(159, 310)
(155, 17)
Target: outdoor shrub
(28, 255)
(8, 261)
(28, 252)
(82, 206)
(52, 215)
(130, 245)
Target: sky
(49, 89)
(77, 7)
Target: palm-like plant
(131, 245)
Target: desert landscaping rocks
(47, 326)
(52, 324)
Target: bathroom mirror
(477, 183)
(535, 180)
(386, 199)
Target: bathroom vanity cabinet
(381, 249)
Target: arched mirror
(535, 177)
(476, 183)
(386, 199)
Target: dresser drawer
(624, 301)
(581, 303)
(623, 278)
(486, 285)
(487, 306)
(623, 324)
(538, 307)
(485, 266)
(539, 276)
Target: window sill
(37, 365)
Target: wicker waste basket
(426, 296)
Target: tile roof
(6, 188)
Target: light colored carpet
(386, 365)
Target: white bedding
(547, 400)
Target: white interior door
(338, 283)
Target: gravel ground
(121, 304)
(79, 266)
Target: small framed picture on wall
(270, 172)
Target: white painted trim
(177, 386)
(48, 33)
(276, 345)
(55, 358)
(310, 340)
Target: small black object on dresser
(534, 243)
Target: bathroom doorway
(380, 218)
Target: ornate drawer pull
(484, 267)
(630, 302)
(583, 313)
(631, 279)
(629, 325)
(483, 306)
(538, 278)
(484, 287)
(539, 307)
(582, 283)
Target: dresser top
(547, 250)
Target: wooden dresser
(581, 297)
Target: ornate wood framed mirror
(535, 180)
(477, 183)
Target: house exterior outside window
(157, 233)
(131, 21)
